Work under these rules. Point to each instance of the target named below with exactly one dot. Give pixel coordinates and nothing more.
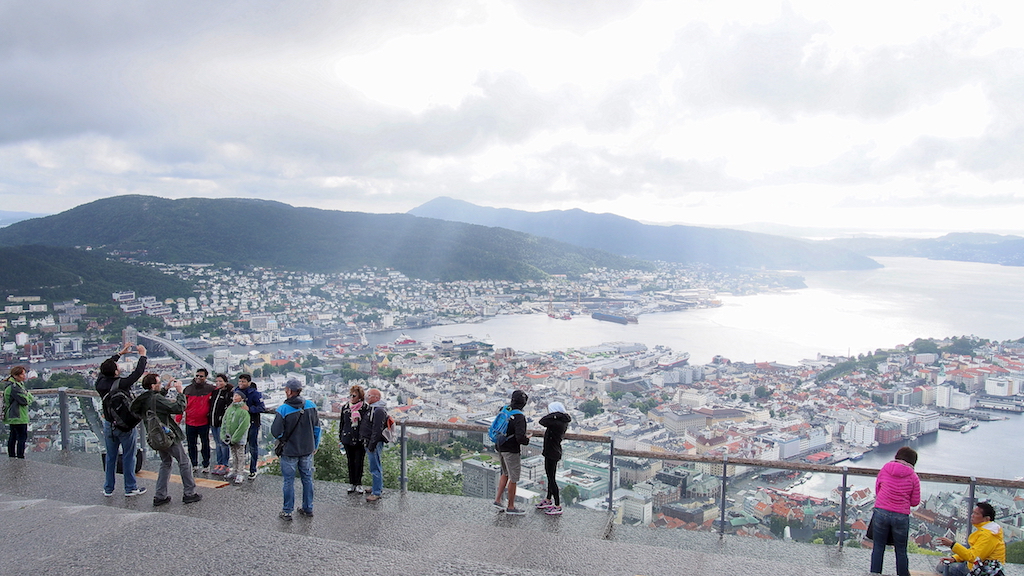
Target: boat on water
(966, 428)
(856, 457)
(614, 318)
(565, 316)
(673, 360)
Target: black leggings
(356, 454)
(550, 465)
(18, 435)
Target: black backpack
(117, 408)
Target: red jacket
(197, 404)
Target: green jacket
(235, 428)
(16, 393)
(164, 408)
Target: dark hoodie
(555, 425)
(104, 382)
(517, 435)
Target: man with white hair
(371, 430)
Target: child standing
(234, 432)
(555, 424)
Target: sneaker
(514, 511)
(351, 488)
(205, 470)
(252, 475)
(195, 470)
(161, 501)
(219, 470)
(360, 489)
(498, 505)
(304, 512)
(285, 516)
(372, 498)
(554, 511)
(108, 494)
(193, 498)
(239, 479)
(137, 492)
(543, 505)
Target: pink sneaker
(543, 505)
(554, 511)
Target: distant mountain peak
(677, 243)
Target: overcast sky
(871, 115)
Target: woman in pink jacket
(897, 489)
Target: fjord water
(839, 312)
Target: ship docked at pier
(614, 318)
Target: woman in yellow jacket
(985, 543)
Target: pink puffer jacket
(897, 487)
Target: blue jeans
(376, 472)
(223, 451)
(953, 569)
(305, 467)
(125, 441)
(254, 445)
(898, 525)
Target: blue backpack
(498, 432)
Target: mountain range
(961, 246)
(685, 244)
(250, 232)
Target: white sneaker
(239, 479)
(359, 489)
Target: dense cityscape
(824, 410)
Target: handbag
(870, 535)
(279, 446)
(987, 568)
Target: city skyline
(876, 118)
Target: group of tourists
(897, 490)
(231, 415)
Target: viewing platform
(57, 521)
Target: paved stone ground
(56, 521)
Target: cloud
(263, 99)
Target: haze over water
(839, 312)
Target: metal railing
(972, 482)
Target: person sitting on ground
(985, 543)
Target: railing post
(611, 473)
(65, 419)
(970, 504)
(725, 481)
(842, 509)
(403, 479)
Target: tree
(616, 395)
(761, 392)
(745, 397)
(1015, 552)
(591, 407)
(569, 494)
(923, 346)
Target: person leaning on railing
(897, 490)
(985, 543)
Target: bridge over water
(172, 347)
